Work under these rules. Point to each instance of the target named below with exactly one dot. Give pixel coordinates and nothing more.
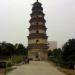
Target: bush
(9, 64)
(17, 59)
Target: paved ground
(36, 68)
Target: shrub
(9, 64)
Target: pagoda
(37, 39)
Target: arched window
(37, 41)
(37, 31)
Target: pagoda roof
(37, 4)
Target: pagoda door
(37, 56)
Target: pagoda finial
(37, 0)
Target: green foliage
(55, 55)
(17, 59)
(14, 54)
(66, 56)
(7, 50)
(69, 53)
(9, 64)
(20, 49)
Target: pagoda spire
(37, 0)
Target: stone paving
(36, 68)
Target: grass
(13, 61)
(68, 71)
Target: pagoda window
(37, 23)
(37, 31)
(37, 41)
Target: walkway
(36, 68)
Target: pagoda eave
(38, 19)
(37, 46)
(35, 27)
(34, 37)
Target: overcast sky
(15, 16)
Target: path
(36, 68)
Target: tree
(57, 52)
(55, 55)
(49, 53)
(69, 53)
(10, 49)
(20, 49)
(7, 49)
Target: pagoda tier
(37, 13)
(37, 4)
(32, 36)
(37, 8)
(38, 20)
(38, 46)
(37, 27)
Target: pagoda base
(37, 55)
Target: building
(52, 45)
(37, 39)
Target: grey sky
(15, 16)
